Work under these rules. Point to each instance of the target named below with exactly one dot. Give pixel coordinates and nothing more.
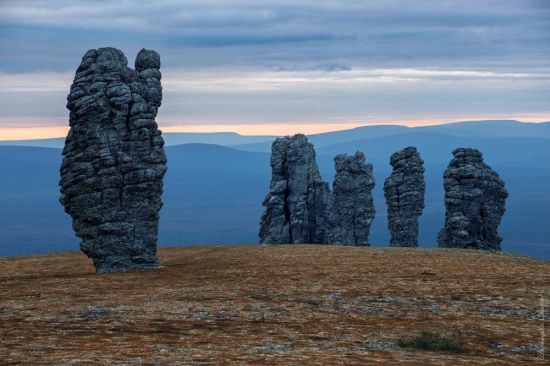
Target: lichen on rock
(475, 203)
(404, 191)
(113, 160)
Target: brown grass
(292, 305)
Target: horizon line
(27, 133)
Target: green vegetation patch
(432, 342)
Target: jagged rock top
(147, 59)
(114, 160)
(352, 164)
(406, 158)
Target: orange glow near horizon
(278, 129)
(31, 133)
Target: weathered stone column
(351, 209)
(475, 203)
(296, 203)
(404, 191)
(113, 160)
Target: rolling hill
(489, 128)
(213, 193)
(467, 129)
(170, 138)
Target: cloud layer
(299, 60)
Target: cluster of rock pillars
(300, 208)
(114, 163)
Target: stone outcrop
(296, 203)
(474, 201)
(113, 160)
(404, 191)
(351, 209)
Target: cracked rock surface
(351, 209)
(404, 191)
(475, 203)
(113, 160)
(296, 203)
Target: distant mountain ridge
(213, 193)
(170, 138)
(500, 128)
(490, 128)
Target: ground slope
(301, 304)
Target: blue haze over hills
(216, 182)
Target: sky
(280, 66)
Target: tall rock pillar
(475, 203)
(351, 209)
(296, 203)
(404, 191)
(113, 160)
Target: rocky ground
(291, 305)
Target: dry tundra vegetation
(291, 305)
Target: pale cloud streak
(178, 80)
(48, 81)
(243, 62)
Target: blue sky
(276, 63)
